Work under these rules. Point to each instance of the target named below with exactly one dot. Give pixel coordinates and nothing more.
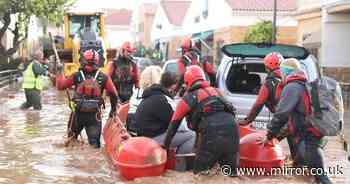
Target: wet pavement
(31, 145)
(32, 151)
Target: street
(68, 66)
(33, 151)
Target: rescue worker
(269, 95)
(124, 73)
(33, 81)
(191, 56)
(270, 91)
(292, 109)
(88, 34)
(212, 118)
(89, 84)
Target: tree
(259, 33)
(19, 12)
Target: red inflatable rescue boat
(255, 155)
(114, 134)
(134, 157)
(123, 112)
(245, 130)
(141, 157)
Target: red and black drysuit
(83, 96)
(192, 57)
(212, 118)
(124, 74)
(269, 94)
(292, 109)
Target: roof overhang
(339, 8)
(308, 13)
(82, 13)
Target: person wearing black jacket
(155, 111)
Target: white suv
(242, 71)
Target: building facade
(118, 27)
(229, 20)
(323, 29)
(167, 31)
(146, 14)
(213, 23)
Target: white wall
(335, 40)
(329, 2)
(117, 36)
(168, 30)
(304, 4)
(219, 15)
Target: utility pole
(274, 28)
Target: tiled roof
(175, 10)
(119, 17)
(262, 5)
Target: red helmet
(273, 60)
(128, 47)
(193, 73)
(91, 57)
(186, 44)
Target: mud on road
(32, 151)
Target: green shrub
(259, 33)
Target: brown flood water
(32, 151)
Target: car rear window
(246, 78)
(172, 67)
(261, 50)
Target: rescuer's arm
(136, 77)
(289, 99)
(209, 69)
(110, 88)
(110, 68)
(258, 105)
(181, 110)
(62, 82)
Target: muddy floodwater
(32, 151)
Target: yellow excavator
(84, 31)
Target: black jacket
(154, 112)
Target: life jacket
(88, 94)
(30, 81)
(123, 74)
(207, 101)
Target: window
(246, 78)
(77, 23)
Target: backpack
(88, 94)
(196, 119)
(326, 106)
